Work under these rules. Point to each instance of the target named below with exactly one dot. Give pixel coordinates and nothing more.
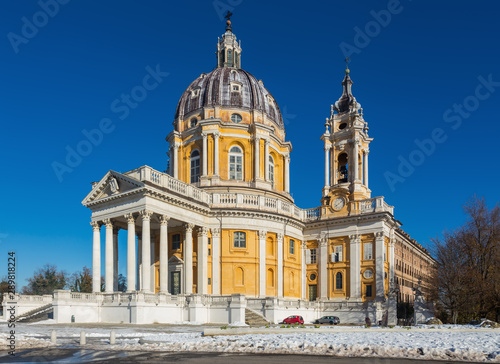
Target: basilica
(218, 237)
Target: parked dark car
(293, 320)
(332, 320)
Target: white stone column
(287, 173)
(152, 272)
(327, 165)
(202, 260)
(333, 163)
(176, 160)
(164, 253)
(146, 250)
(365, 165)
(262, 263)
(257, 157)
(216, 261)
(131, 262)
(108, 258)
(355, 266)
(280, 265)
(355, 160)
(323, 268)
(392, 263)
(139, 262)
(115, 259)
(303, 272)
(266, 159)
(379, 265)
(216, 153)
(204, 155)
(96, 257)
(188, 258)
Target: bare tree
(469, 264)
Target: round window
(368, 274)
(342, 126)
(193, 122)
(312, 277)
(236, 118)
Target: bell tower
(346, 145)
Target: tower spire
(228, 48)
(346, 102)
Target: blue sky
(421, 69)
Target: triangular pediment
(175, 260)
(112, 184)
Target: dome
(228, 87)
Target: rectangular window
(368, 290)
(292, 247)
(339, 256)
(209, 241)
(239, 239)
(368, 251)
(176, 242)
(313, 256)
(209, 281)
(209, 252)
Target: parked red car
(293, 320)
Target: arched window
(271, 170)
(236, 118)
(195, 166)
(338, 281)
(193, 122)
(230, 57)
(343, 171)
(239, 239)
(236, 163)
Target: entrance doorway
(313, 292)
(175, 282)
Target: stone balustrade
(251, 201)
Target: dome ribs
(215, 88)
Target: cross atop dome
(228, 23)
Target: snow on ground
(438, 342)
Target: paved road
(70, 356)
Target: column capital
(130, 218)
(355, 141)
(215, 232)
(262, 234)
(379, 235)
(188, 227)
(323, 241)
(202, 231)
(355, 238)
(257, 138)
(279, 236)
(146, 214)
(95, 225)
(108, 223)
(367, 151)
(204, 135)
(175, 146)
(164, 219)
(327, 147)
(216, 134)
(267, 142)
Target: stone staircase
(253, 318)
(38, 314)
